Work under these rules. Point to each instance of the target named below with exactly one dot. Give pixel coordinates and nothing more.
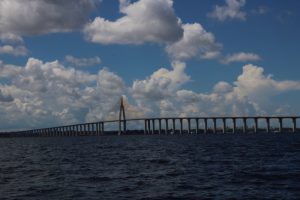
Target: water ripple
(245, 166)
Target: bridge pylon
(122, 114)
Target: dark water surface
(220, 166)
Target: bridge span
(166, 125)
(170, 125)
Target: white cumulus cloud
(82, 62)
(27, 17)
(241, 57)
(19, 50)
(196, 42)
(232, 10)
(143, 21)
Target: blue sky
(69, 62)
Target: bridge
(164, 125)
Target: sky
(66, 62)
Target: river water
(206, 166)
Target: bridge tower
(122, 114)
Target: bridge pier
(268, 124)
(174, 126)
(159, 126)
(89, 130)
(197, 125)
(233, 125)
(145, 127)
(214, 125)
(294, 124)
(189, 125)
(102, 128)
(255, 125)
(224, 125)
(76, 130)
(167, 126)
(280, 124)
(153, 126)
(205, 125)
(181, 126)
(149, 126)
(245, 125)
(98, 128)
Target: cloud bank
(45, 94)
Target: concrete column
(145, 126)
(119, 133)
(280, 124)
(244, 125)
(149, 126)
(97, 128)
(102, 127)
(268, 124)
(214, 125)
(159, 126)
(174, 126)
(189, 125)
(124, 126)
(197, 125)
(294, 124)
(84, 129)
(76, 130)
(205, 125)
(153, 126)
(255, 125)
(233, 125)
(167, 125)
(181, 126)
(224, 125)
(89, 129)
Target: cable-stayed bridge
(166, 125)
